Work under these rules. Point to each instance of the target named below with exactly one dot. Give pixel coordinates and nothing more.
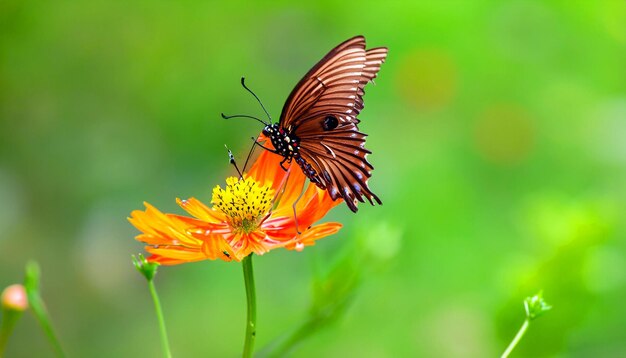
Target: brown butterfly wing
(335, 87)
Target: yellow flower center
(244, 201)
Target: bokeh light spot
(426, 79)
(605, 269)
(606, 132)
(614, 19)
(559, 220)
(463, 324)
(388, 233)
(12, 198)
(103, 259)
(525, 30)
(504, 134)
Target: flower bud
(536, 306)
(146, 268)
(14, 298)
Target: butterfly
(318, 124)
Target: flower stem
(248, 275)
(159, 312)
(517, 338)
(9, 319)
(31, 284)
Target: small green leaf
(31, 281)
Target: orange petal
(289, 184)
(161, 229)
(321, 205)
(283, 228)
(258, 244)
(197, 209)
(268, 171)
(312, 206)
(215, 247)
(315, 233)
(293, 186)
(174, 239)
(200, 228)
(173, 255)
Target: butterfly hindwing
(322, 112)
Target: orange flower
(250, 215)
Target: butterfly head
(269, 130)
(285, 143)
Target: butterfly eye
(330, 123)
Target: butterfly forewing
(321, 111)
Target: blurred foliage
(497, 130)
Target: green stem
(248, 275)
(517, 338)
(36, 304)
(159, 312)
(9, 319)
(42, 316)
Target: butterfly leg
(288, 160)
(283, 186)
(295, 214)
(245, 165)
(264, 147)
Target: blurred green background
(498, 132)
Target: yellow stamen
(244, 201)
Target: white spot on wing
(330, 151)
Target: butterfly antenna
(243, 116)
(231, 159)
(243, 83)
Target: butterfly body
(285, 143)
